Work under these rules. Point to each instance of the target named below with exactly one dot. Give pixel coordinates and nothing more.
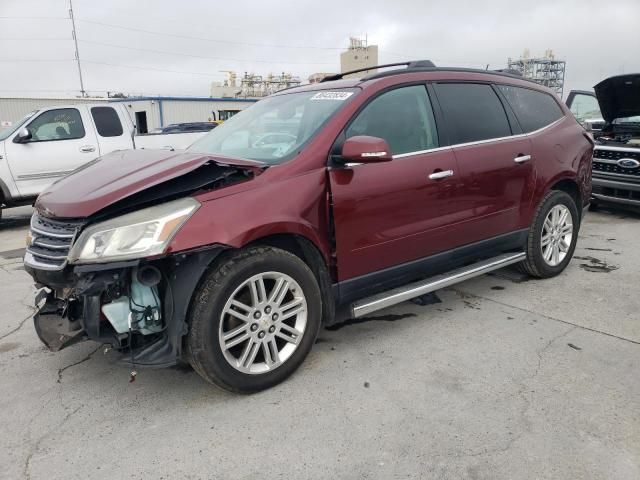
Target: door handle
(522, 158)
(87, 148)
(441, 174)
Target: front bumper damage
(70, 305)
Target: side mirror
(365, 149)
(24, 135)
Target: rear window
(107, 121)
(473, 112)
(533, 109)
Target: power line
(44, 60)
(202, 56)
(208, 74)
(5, 17)
(190, 37)
(35, 39)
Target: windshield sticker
(339, 96)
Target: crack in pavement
(22, 322)
(60, 370)
(548, 317)
(527, 401)
(36, 445)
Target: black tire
(203, 348)
(535, 265)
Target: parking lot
(503, 378)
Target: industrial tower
(545, 70)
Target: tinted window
(473, 112)
(60, 124)
(533, 109)
(403, 117)
(107, 121)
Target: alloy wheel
(262, 322)
(557, 233)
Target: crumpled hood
(619, 96)
(121, 174)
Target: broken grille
(50, 242)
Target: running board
(412, 290)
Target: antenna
(75, 41)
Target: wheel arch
(305, 249)
(571, 187)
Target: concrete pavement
(505, 378)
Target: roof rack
(509, 71)
(410, 65)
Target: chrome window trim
(479, 142)
(420, 152)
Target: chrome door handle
(87, 148)
(522, 158)
(440, 175)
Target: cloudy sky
(174, 47)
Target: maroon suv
(351, 192)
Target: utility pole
(75, 41)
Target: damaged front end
(110, 276)
(138, 307)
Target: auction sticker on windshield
(340, 96)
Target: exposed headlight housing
(139, 234)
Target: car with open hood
(349, 195)
(612, 115)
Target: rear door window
(403, 117)
(473, 112)
(107, 121)
(534, 109)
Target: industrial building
(546, 70)
(148, 113)
(359, 55)
(252, 85)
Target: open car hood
(128, 178)
(619, 96)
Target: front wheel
(254, 320)
(552, 236)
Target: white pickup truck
(51, 142)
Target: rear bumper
(69, 306)
(620, 190)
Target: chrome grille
(50, 242)
(606, 161)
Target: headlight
(139, 234)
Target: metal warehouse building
(148, 113)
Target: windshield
(585, 107)
(274, 129)
(9, 131)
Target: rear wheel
(254, 320)
(552, 236)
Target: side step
(412, 290)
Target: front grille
(51, 241)
(605, 161)
(620, 193)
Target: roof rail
(409, 65)
(510, 71)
